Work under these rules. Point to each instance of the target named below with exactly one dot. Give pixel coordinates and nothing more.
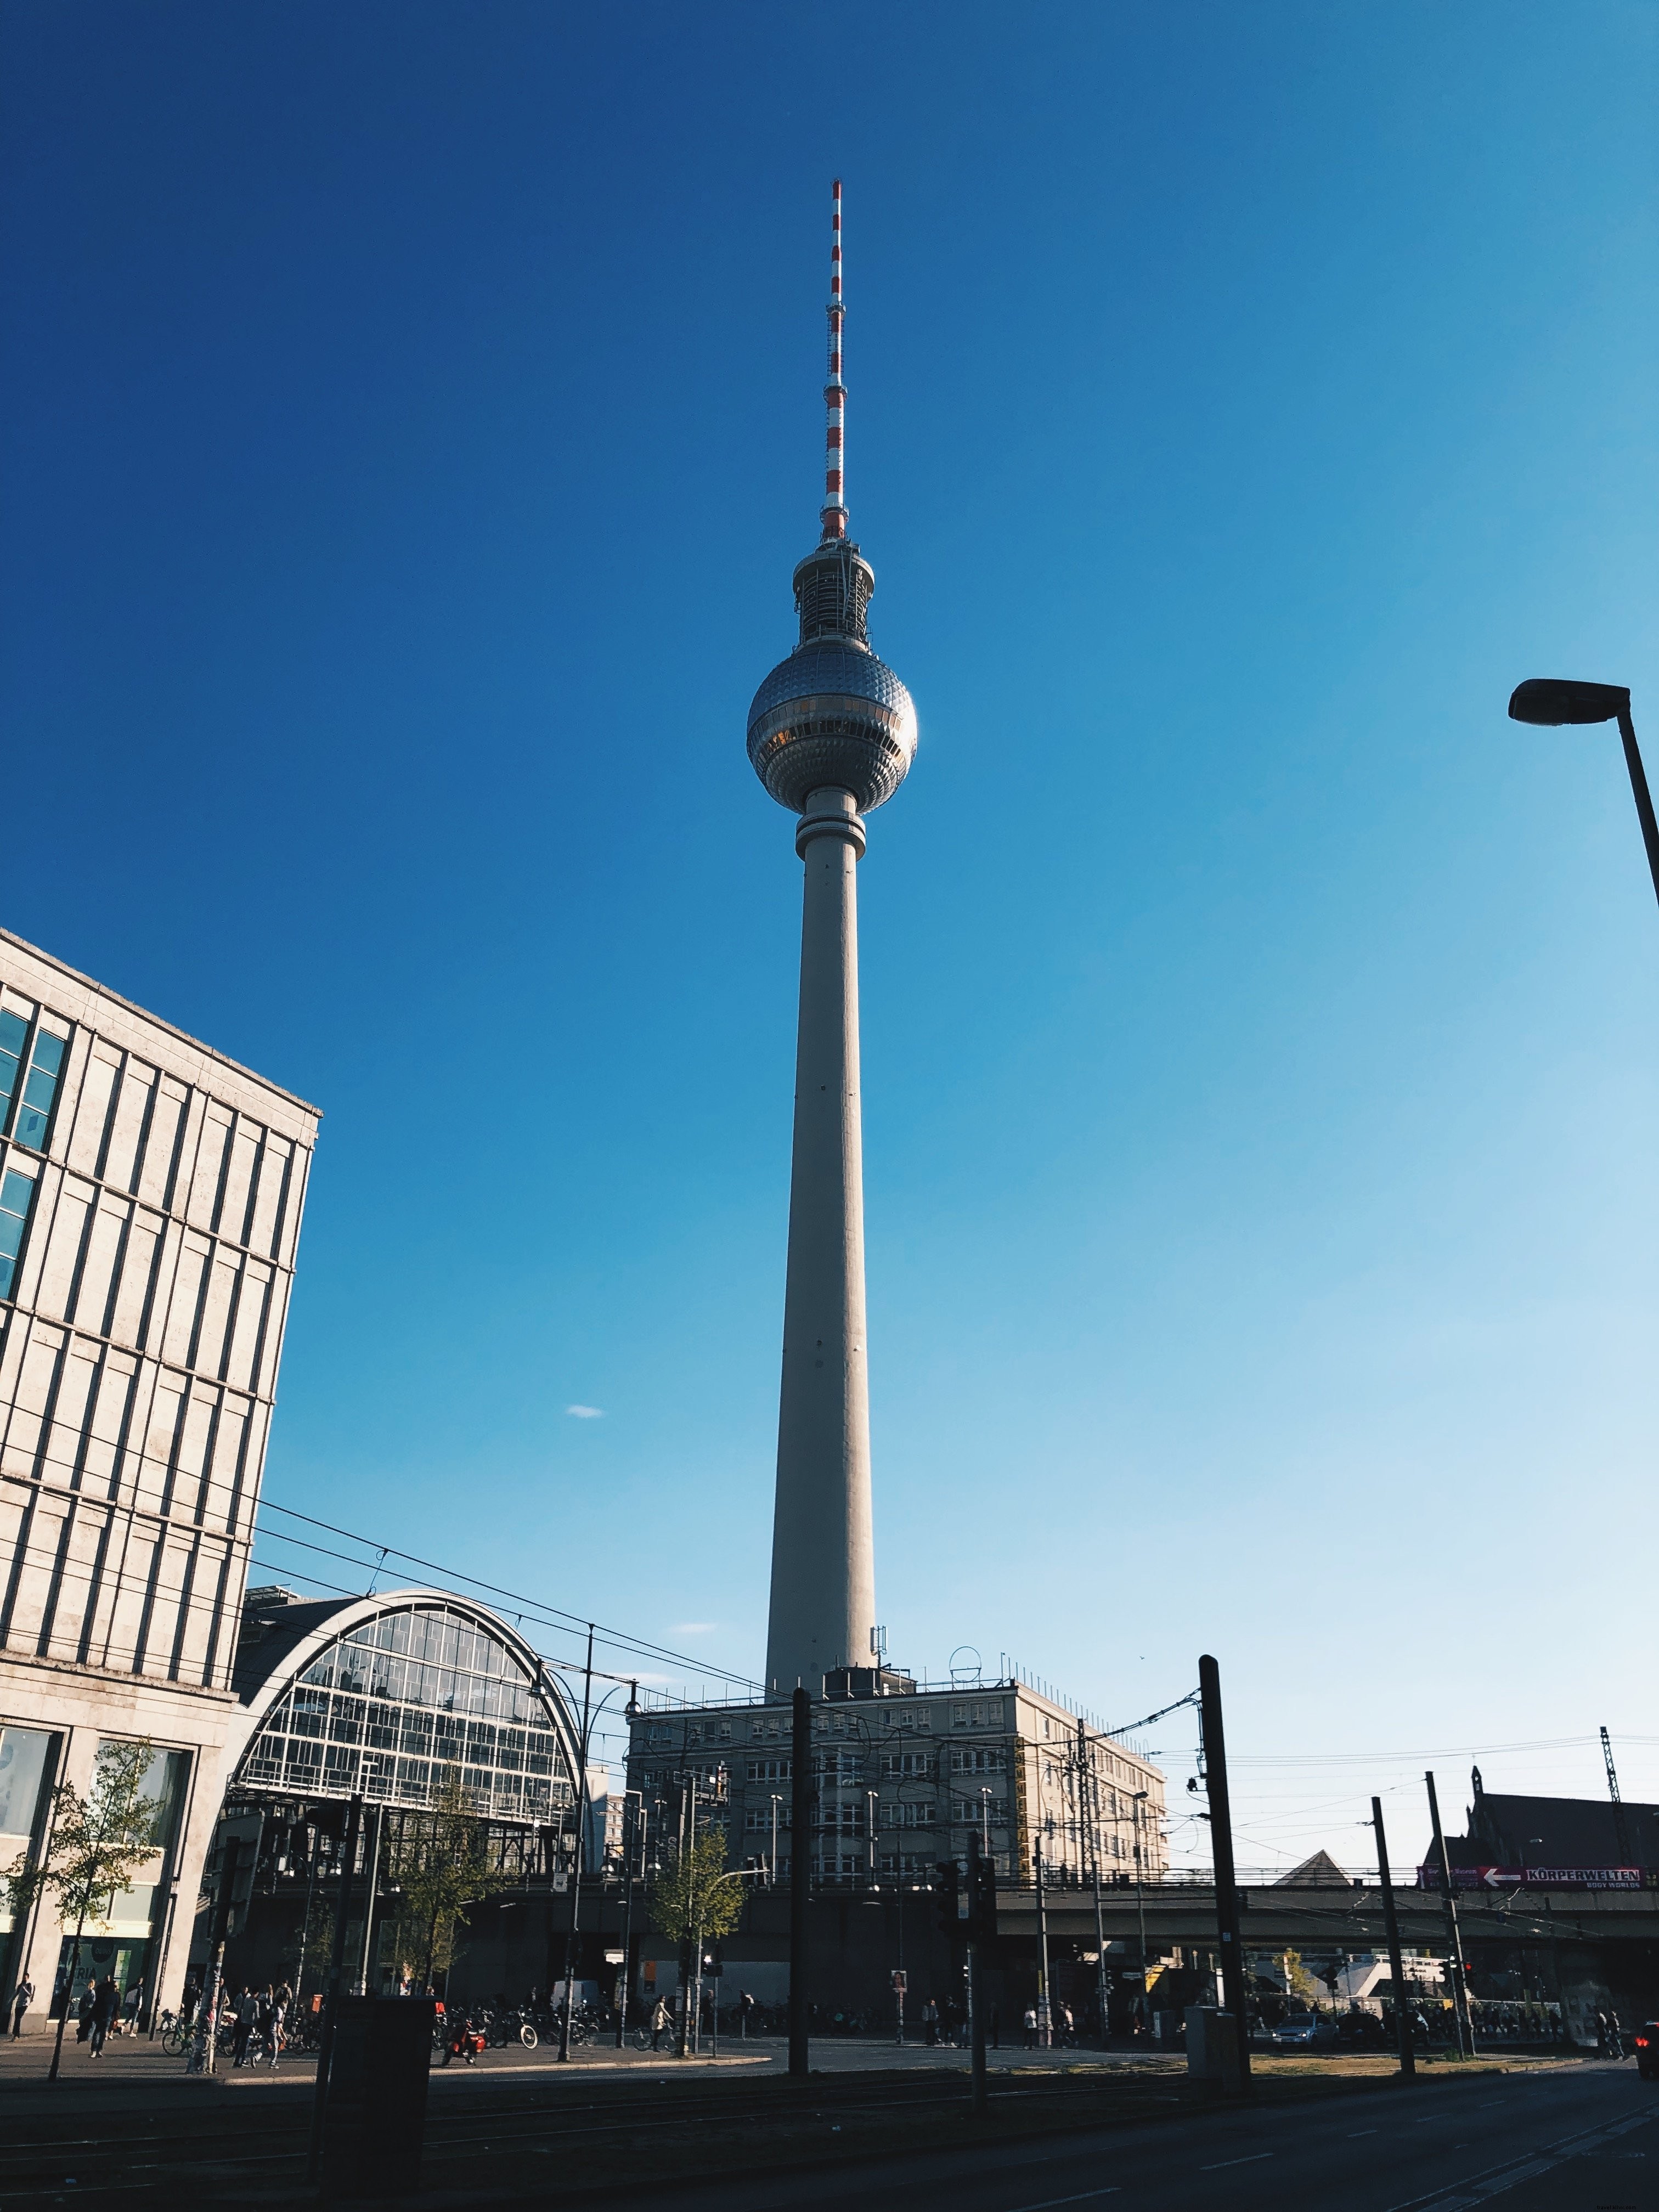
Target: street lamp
(1552, 701)
(1138, 1801)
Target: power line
(553, 1615)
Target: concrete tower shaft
(832, 732)
(823, 1574)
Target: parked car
(1300, 2031)
(1646, 2042)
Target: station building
(386, 1698)
(904, 1771)
(151, 1192)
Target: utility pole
(687, 1845)
(1138, 1801)
(1396, 1964)
(576, 1869)
(641, 1825)
(1221, 1846)
(335, 1980)
(1044, 2034)
(1464, 2025)
(1620, 1831)
(1091, 1784)
(800, 1874)
(977, 1934)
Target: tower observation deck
(832, 732)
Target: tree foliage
(441, 1864)
(95, 1846)
(689, 1901)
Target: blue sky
(411, 418)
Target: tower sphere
(832, 716)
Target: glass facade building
(390, 1703)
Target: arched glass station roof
(386, 1694)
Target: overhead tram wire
(552, 1615)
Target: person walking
(135, 2005)
(1600, 2033)
(659, 2023)
(21, 1998)
(84, 2012)
(930, 2020)
(1030, 2028)
(106, 2007)
(247, 2015)
(1615, 2035)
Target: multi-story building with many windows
(150, 1198)
(900, 1780)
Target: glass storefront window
(25, 1758)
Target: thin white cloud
(586, 1413)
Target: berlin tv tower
(832, 732)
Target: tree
(1298, 1982)
(695, 1901)
(95, 1846)
(442, 1863)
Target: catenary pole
(975, 1985)
(1044, 2011)
(1138, 1801)
(1464, 2024)
(1089, 1782)
(1221, 1846)
(336, 1982)
(800, 1874)
(576, 1871)
(1396, 1964)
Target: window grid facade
(395, 1704)
(150, 1196)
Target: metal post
(576, 1870)
(1396, 1965)
(628, 1907)
(1638, 784)
(1044, 2021)
(367, 1963)
(1138, 1801)
(203, 2047)
(975, 2009)
(1221, 1846)
(1463, 2023)
(336, 1978)
(800, 1876)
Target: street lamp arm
(1643, 797)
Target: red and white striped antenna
(833, 514)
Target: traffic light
(982, 1905)
(949, 1897)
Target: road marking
(1357, 2132)
(1254, 2158)
(1498, 2181)
(1083, 2197)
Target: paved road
(1582, 2140)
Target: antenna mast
(833, 515)
(1621, 1833)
